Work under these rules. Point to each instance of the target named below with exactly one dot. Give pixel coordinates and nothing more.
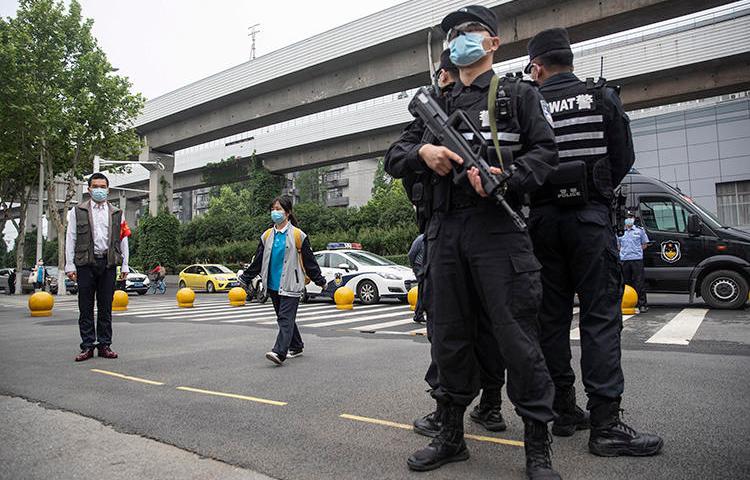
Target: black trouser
(577, 248)
(419, 307)
(286, 313)
(633, 275)
(491, 366)
(95, 282)
(479, 262)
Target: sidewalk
(42, 443)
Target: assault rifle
(443, 128)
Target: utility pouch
(568, 182)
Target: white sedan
(370, 276)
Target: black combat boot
(538, 445)
(610, 437)
(570, 417)
(448, 446)
(488, 413)
(429, 425)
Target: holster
(568, 184)
(421, 198)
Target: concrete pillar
(131, 212)
(161, 180)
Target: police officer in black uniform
(478, 259)
(488, 413)
(575, 241)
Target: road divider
(233, 395)
(126, 377)
(403, 426)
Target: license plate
(234, 284)
(138, 285)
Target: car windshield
(367, 258)
(214, 269)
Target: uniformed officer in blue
(481, 268)
(574, 239)
(632, 243)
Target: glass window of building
(733, 202)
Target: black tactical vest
(508, 134)
(578, 113)
(84, 247)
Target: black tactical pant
(491, 366)
(95, 283)
(577, 248)
(633, 275)
(479, 261)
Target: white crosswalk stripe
(681, 329)
(660, 327)
(575, 334)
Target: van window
(663, 214)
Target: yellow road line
(233, 395)
(126, 377)
(404, 426)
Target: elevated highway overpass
(384, 53)
(704, 57)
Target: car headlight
(389, 276)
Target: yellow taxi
(208, 277)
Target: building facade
(702, 150)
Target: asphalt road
(321, 416)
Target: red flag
(124, 230)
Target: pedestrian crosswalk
(662, 326)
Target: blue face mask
(277, 216)
(467, 49)
(629, 222)
(99, 194)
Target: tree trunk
(60, 220)
(20, 240)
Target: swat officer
(478, 259)
(488, 413)
(574, 239)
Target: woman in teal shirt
(285, 262)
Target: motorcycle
(258, 292)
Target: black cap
(445, 61)
(472, 13)
(548, 41)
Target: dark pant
(95, 282)
(484, 292)
(633, 275)
(491, 366)
(419, 307)
(286, 312)
(577, 248)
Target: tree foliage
(65, 104)
(158, 240)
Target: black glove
(321, 282)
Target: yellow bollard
(40, 304)
(237, 297)
(344, 298)
(629, 300)
(120, 301)
(412, 297)
(185, 298)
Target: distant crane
(252, 32)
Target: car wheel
(210, 288)
(725, 289)
(367, 292)
(182, 284)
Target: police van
(370, 276)
(690, 250)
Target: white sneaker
(272, 356)
(294, 354)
